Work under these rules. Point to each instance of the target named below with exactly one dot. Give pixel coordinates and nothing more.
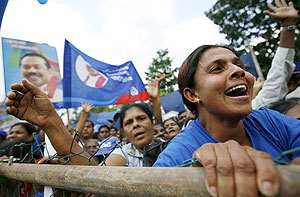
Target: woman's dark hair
(27, 126)
(174, 120)
(19, 148)
(284, 105)
(142, 106)
(186, 75)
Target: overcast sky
(113, 31)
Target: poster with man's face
(36, 62)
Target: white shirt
(275, 87)
(131, 154)
(57, 96)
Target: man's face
(92, 146)
(104, 132)
(88, 130)
(34, 69)
(113, 131)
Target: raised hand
(28, 102)
(282, 11)
(87, 107)
(258, 84)
(153, 88)
(235, 170)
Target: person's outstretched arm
(153, 90)
(28, 102)
(86, 109)
(275, 87)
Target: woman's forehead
(216, 53)
(133, 111)
(169, 120)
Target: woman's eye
(127, 123)
(142, 118)
(216, 69)
(242, 66)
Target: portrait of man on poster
(36, 68)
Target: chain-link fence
(21, 176)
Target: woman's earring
(198, 101)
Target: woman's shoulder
(122, 149)
(182, 147)
(263, 114)
(267, 119)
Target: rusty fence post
(130, 181)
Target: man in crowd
(103, 132)
(88, 131)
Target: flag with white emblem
(89, 80)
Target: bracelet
(288, 28)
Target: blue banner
(297, 69)
(248, 62)
(89, 80)
(3, 4)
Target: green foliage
(163, 65)
(244, 19)
(109, 108)
(101, 109)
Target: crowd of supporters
(231, 125)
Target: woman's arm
(115, 160)
(27, 102)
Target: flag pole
(256, 64)
(69, 121)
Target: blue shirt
(269, 131)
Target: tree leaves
(244, 19)
(163, 65)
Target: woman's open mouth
(236, 91)
(139, 134)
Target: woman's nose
(135, 123)
(237, 72)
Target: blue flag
(89, 80)
(3, 4)
(297, 69)
(248, 62)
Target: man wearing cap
(107, 144)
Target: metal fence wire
(19, 182)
